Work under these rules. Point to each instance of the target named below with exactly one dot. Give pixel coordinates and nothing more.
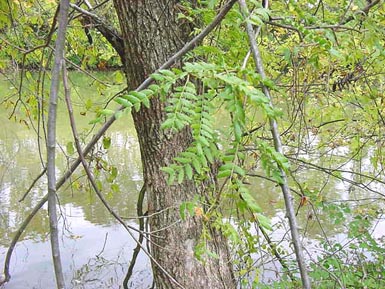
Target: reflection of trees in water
(101, 273)
(18, 171)
(122, 201)
(13, 212)
(116, 172)
(20, 162)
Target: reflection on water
(93, 257)
(95, 250)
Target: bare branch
(278, 147)
(332, 27)
(364, 11)
(33, 184)
(286, 27)
(139, 212)
(51, 142)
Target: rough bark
(151, 34)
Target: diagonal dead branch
(33, 184)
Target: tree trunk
(151, 34)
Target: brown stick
(364, 11)
(139, 211)
(33, 184)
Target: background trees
(324, 66)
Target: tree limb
(108, 32)
(364, 11)
(33, 184)
(278, 147)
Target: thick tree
(151, 34)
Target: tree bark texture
(151, 34)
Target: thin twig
(274, 250)
(333, 27)
(104, 245)
(336, 174)
(364, 11)
(139, 211)
(272, 23)
(33, 184)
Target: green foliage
(136, 99)
(105, 173)
(8, 11)
(25, 26)
(132, 99)
(272, 161)
(187, 107)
